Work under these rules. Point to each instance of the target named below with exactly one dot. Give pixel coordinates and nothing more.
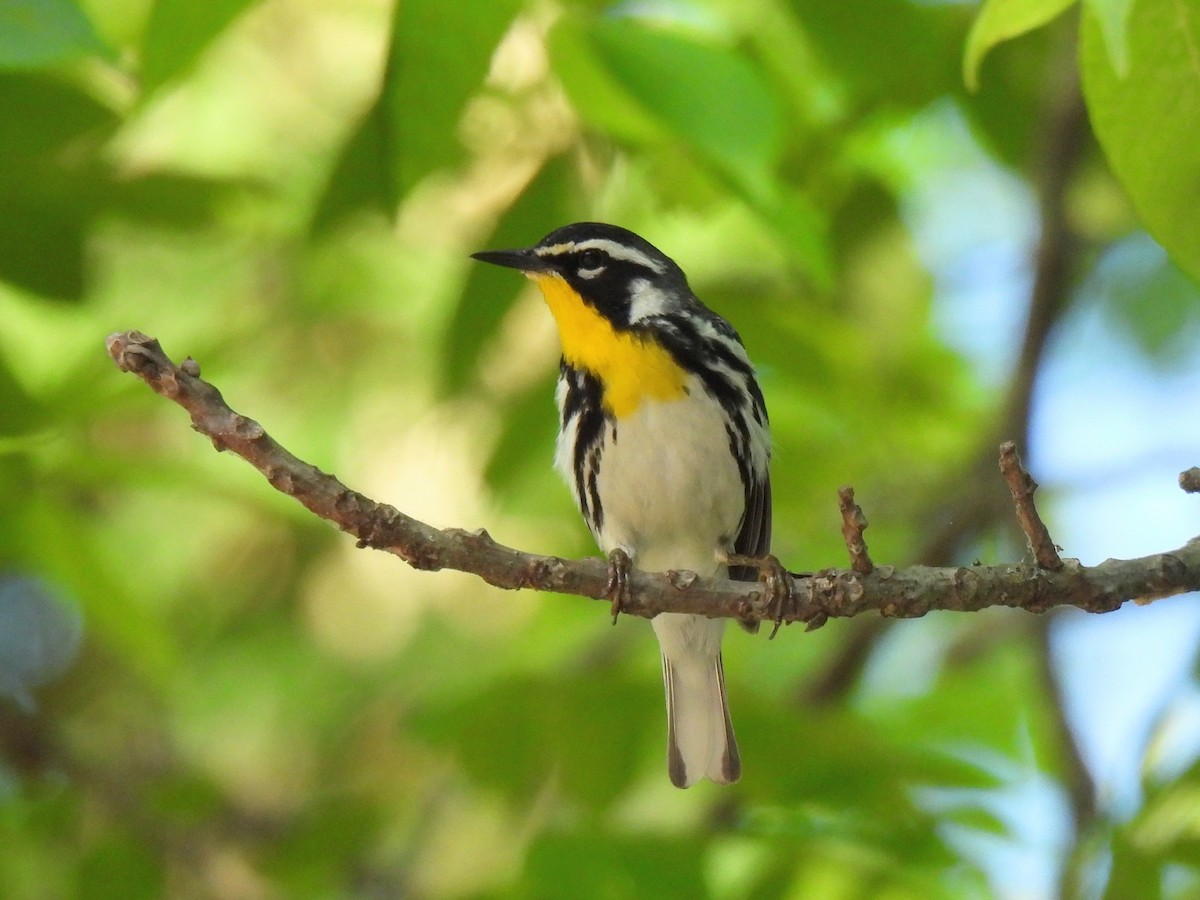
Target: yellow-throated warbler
(663, 440)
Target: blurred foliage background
(936, 226)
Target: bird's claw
(617, 586)
(778, 585)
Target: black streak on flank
(584, 403)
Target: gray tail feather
(700, 740)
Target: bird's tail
(700, 739)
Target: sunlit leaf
(361, 182)
(439, 55)
(178, 32)
(1146, 120)
(597, 93)
(1113, 16)
(436, 77)
(734, 121)
(1003, 20)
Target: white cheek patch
(646, 300)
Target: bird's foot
(616, 589)
(778, 586)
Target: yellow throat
(629, 367)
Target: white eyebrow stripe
(612, 248)
(621, 251)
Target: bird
(665, 445)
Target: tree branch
(1022, 486)
(893, 592)
(976, 501)
(854, 523)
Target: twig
(854, 523)
(974, 505)
(833, 592)
(1022, 487)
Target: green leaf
(48, 180)
(322, 845)
(119, 864)
(802, 232)
(597, 94)
(1146, 121)
(922, 40)
(1113, 16)
(592, 733)
(1003, 20)
(44, 116)
(439, 56)
(178, 33)
(41, 250)
(21, 412)
(361, 181)
(608, 865)
(172, 200)
(1150, 298)
(1134, 873)
(36, 34)
(1001, 110)
(733, 121)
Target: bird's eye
(591, 259)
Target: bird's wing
(754, 538)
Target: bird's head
(607, 269)
(609, 291)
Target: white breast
(668, 483)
